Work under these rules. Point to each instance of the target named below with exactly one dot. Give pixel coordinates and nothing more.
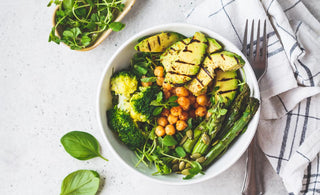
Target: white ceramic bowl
(121, 59)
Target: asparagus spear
(234, 113)
(238, 126)
(189, 143)
(213, 126)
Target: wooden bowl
(128, 5)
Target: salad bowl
(121, 59)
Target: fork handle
(252, 183)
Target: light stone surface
(47, 90)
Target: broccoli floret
(127, 130)
(140, 103)
(124, 83)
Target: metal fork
(253, 184)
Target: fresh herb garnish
(80, 23)
(81, 145)
(81, 182)
(196, 169)
(168, 140)
(117, 26)
(180, 151)
(171, 102)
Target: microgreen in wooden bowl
(84, 24)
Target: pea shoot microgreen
(80, 22)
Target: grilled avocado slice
(214, 46)
(227, 86)
(199, 84)
(170, 55)
(159, 42)
(183, 59)
(226, 60)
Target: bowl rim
(163, 27)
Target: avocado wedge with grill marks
(226, 60)
(227, 86)
(185, 59)
(170, 55)
(159, 42)
(206, 74)
(214, 46)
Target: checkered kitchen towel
(289, 128)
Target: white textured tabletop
(47, 90)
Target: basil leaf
(149, 79)
(173, 104)
(180, 151)
(155, 103)
(117, 26)
(81, 182)
(173, 98)
(159, 96)
(168, 140)
(81, 145)
(157, 111)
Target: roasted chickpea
(162, 121)
(202, 100)
(182, 91)
(192, 99)
(165, 112)
(160, 81)
(183, 116)
(159, 131)
(172, 119)
(158, 71)
(146, 84)
(170, 130)
(201, 111)
(167, 94)
(166, 86)
(184, 102)
(173, 91)
(176, 111)
(181, 125)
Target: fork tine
(264, 44)
(244, 43)
(251, 42)
(258, 42)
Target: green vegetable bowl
(121, 59)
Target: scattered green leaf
(81, 182)
(81, 145)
